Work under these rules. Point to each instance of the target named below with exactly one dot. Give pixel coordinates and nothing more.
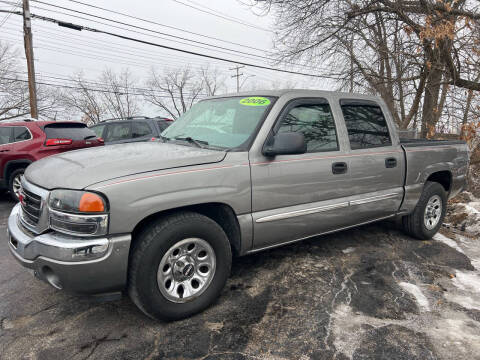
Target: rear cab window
(366, 124)
(73, 131)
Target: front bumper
(85, 266)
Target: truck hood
(81, 168)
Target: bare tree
(409, 52)
(212, 81)
(175, 91)
(112, 95)
(84, 100)
(14, 96)
(119, 96)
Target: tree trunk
(430, 101)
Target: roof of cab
(297, 92)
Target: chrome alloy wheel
(433, 212)
(17, 184)
(186, 270)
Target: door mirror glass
(285, 143)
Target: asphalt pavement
(366, 293)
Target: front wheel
(178, 266)
(15, 183)
(427, 218)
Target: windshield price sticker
(255, 101)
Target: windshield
(224, 122)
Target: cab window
(366, 125)
(315, 121)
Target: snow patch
(348, 250)
(468, 281)
(465, 301)
(447, 241)
(472, 208)
(417, 293)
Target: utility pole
(237, 68)
(27, 37)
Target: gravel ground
(366, 293)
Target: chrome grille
(31, 207)
(33, 214)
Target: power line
(245, 54)
(83, 88)
(163, 25)
(9, 14)
(139, 53)
(124, 37)
(220, 15)
(147, 29)
(79, 41)
(80, 27)
(135, 88)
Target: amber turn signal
(90, 202)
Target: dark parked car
(132, 129)
(24, 142)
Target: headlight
(80, 213)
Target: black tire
(11, 179)
(148, 250)
(414, 224)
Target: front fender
(134, 198)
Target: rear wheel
(428, 215)
(15, 182)
(179, 266)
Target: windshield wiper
(198, 143)
(89, 137)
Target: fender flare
(13, 163)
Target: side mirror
(286, 143)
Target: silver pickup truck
(234, 175)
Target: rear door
(376, 159)
(23, 143)
(6, 140)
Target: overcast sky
(60, 52)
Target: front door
(296, 196)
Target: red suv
(22, 143)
